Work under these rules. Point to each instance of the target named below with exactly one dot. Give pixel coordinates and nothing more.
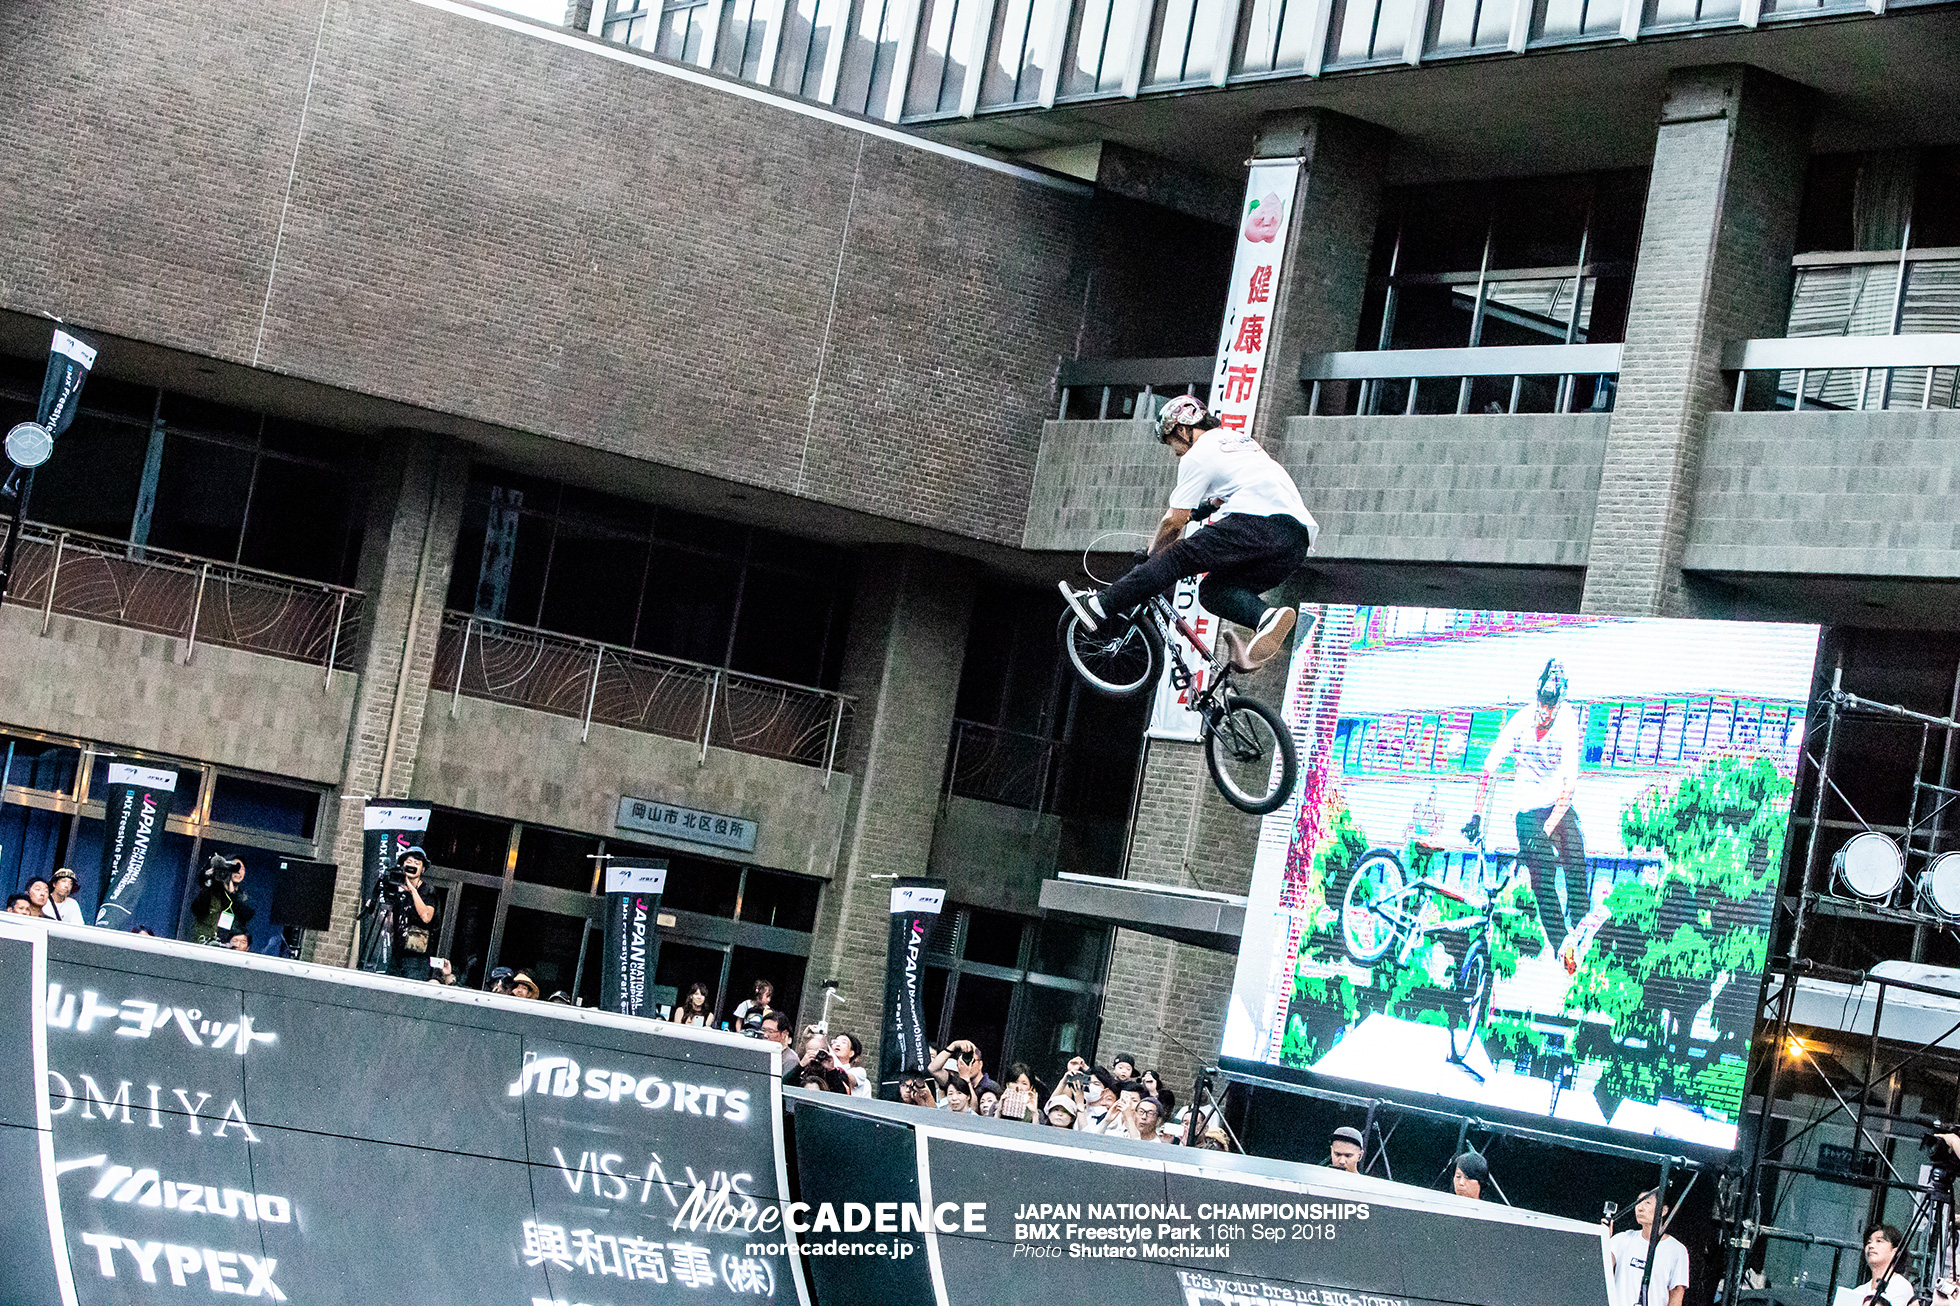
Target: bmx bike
(1383, 909)
(1241, 735)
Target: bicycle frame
(1411, 931)
(1169, 619)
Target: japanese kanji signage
(1171, 716)
(186, 1124)
(1256, 269)
(686, 824)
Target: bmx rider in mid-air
(1545, 742)
(1259, 534)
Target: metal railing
(1002, 766)
(1099, 389)
(196, 600)
(590, 681)
(1497, 379)
(1847, 373)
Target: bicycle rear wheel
(1366, 931)
(1121, 658)
(1241, 748)
(1473, 996)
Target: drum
(1941, 884)
(1870, 864)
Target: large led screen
(1530, 863)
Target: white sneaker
(1275, 628)
(1082, 602)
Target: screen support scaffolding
(1744, 1220)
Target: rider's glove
(1473, 829)
(1139, 557)
(1204, 510)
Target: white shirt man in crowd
(61, 899)
(1669, 1282)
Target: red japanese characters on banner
(1243, 339)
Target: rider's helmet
(1185, 410)
(1551, 683)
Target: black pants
(1246, 556)
(1552, 859)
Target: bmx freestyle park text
(1531, 862)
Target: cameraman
(221, 908)
(410, 958)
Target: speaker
(303, 894)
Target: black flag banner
(915, 905)
(134, 805)
(633, 889)
(388, 828)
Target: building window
(541, 554)
(52, 816)
(157, 468)
(524, 896)
(1545, 261)
(1022, 989)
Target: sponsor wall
(286, 1132)
(1531, 861)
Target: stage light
(1870, 864)
(1939, 887)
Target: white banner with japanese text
(1235, 385)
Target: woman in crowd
(959, 1096)
(1154, 1086)
(846, 1050)
(1022, 1094)
(749, 1013)
(696, 1008)
(989, 1102)
(1061, 1111)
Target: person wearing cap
(1345, 1148)
(498, 980)
(61, 899)
(410, 958)
(523, 986)
(1471, 1174)
(1061, 1112)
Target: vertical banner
(915, 904)
(1236, 380)
(633, 889)
(134, 805)
(388, 828)
(69, 361)
(1239, 374)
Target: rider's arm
(1500, 748)
(1171, 529)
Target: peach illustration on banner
(1262, 218)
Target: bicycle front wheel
(1366, 931)
(1241, 749)
(1118, 660)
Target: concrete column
(1184, 835)
(410, 539)
(1336, 206)
(906, 645)
(1714, 266)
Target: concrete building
(693, 405)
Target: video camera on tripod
(219, 867)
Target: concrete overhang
(1194, 916)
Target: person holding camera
(919, 1089)
(1668, 1283)
(960, 1059)
(221, 907)
(399, 915)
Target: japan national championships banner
(133, 808)
(633, 889)
(1531, 862)
(916, 903)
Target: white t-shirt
(1230, 465)
(1630, 1262)
(1547, 766)
(69, 912)
(1898, 1292)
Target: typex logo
(559, 1077)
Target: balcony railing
(1494, 379)
(589, 681)
(1846, 373)
(1106, 389)
(1002, 766)
(195, 600)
